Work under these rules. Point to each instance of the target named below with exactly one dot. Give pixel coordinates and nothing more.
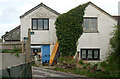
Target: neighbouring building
(12, 36)
(119, 8)
(93, 43)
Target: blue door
(45, 53)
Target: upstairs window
(90, 54)
(90, 24)
(40, 24)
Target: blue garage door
(45, 53)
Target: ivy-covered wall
(69, 29)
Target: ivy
(69, 29)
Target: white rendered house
(93, 43)
(40, 20)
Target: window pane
(90, 54)
(46, 24)
(83, 54)
(94, 25)
(40, 24)
(96, 54)
(90, 24)
(86, 24)
(34, 24)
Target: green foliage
(81, 62)
(0, 40)
(114, 57)
(33, 64)
(66, 60)
(103, 64)
(69, 29)
(15, 50)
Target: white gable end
(100, 39)
(40, 36)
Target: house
(12, 36)
(93, 43)
(40, 20)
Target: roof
(18, 27)
(36, 7)
(118, 19)
(102, 11)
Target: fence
(20, 71)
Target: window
(90, 54)
(40, 24)
(36, 50)
(90, 24)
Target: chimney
(119, 8)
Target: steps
(53, 53)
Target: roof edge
(102, 10)
(36, 7)
(10, 31)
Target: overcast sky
(10, 10)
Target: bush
(103, 64)
(81, 62)
(15, 50)
(69, 29)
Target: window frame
(42, 22)
(85, 31)
(92, 54)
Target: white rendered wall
(101, 39)
(40, 36)
(10, 60)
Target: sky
(10, 10)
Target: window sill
(91, 60)
(41, 30)
(91, 32)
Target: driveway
(40, 73)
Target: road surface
(40, 73)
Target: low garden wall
(14, 66)
(9, 60)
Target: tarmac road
(41, 73)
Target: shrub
(103, 64)
(114, 57)
(15, 50)
(81, 62)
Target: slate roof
(18, 27)
(36, 7)
(118, 19)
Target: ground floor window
(90, 54)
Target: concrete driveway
(41, 73)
